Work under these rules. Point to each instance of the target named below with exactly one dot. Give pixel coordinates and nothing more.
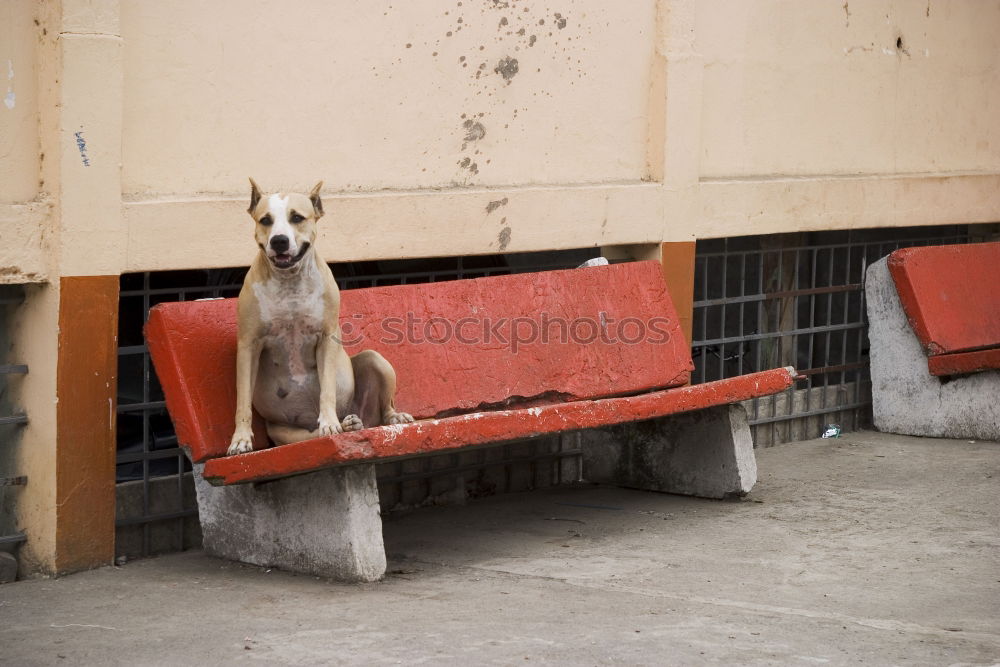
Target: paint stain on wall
(494, 205)
(497, 44)
(507, 68)
(474, 130)
(467, 163)
(503, 239)
(10, 99)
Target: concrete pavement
(871, 548)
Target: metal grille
(12, 419)
(156, 508)
(796, 300)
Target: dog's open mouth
(284, 261)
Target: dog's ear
(316, 201)
(254, 196)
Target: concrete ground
(871, 548)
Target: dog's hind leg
(283, 434)
(375, 390)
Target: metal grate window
(156, 507)
(154, 488)
(12, 419)
(795, 300)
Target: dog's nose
(279, 243)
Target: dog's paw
(329, 427)
(352, 423)
(399, 418)
(241, 444)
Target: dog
(290, 363)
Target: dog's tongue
(283, 257)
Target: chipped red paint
(437, 435)
(951, 296)
(193, 346)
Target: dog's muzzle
(283, 260)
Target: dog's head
(285, 224)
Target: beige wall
(23, 214)
(820, 88)
(379, 95)
(19, 150)
(654, 120)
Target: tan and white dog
(290, 363)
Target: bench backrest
(457, 346)
(951, 295)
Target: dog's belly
(287, 387)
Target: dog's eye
(267, 221)
(295, 217)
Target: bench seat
(439, 435)
(951, 297)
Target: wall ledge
(24, 242)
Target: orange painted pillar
(677, 261)
(86, 385)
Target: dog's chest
(291, 312)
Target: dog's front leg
(248, 349)
(336, 383)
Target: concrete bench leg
(906, 398)
(708, 453)
(325, 523)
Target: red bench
(480, 361)
(934, 329)
(951, 296)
